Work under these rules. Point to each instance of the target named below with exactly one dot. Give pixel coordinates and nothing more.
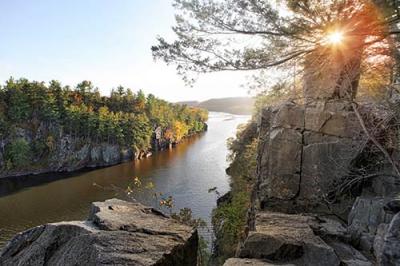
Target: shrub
(38, 148)
(229, 218)
(18, 152)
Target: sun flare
(335, 37)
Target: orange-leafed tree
(180, 130)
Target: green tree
(18, 152)
(140, 102)
(85, 89)
(19, 108)
(59, 97)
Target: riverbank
(75, 156)
(185, 172)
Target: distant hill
(233, 105)
(189, 103)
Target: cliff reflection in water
(185, 172)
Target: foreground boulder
(296, 239)
(252, 262)
(116, 233)
(286, 238)
(370, 237)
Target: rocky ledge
(310, 239)
(309, 206)
(116, 233)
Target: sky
(105, 41)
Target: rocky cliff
(305, 150)
(116, 233)
(69, 153)
(324, 194)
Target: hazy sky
(105, 41)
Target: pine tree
(243, 35)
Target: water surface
(185, 172)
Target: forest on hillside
(35, 116)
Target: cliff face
(116, 233)
(305, 150)
(68, 153)
(320, 199)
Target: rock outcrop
(286, 238)
(389, 253)
(306, 153)
(313, 239)
(291, 239)
(71, 154)
(116, 233)
(364, 220)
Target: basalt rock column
(307, 148)
(304, 152)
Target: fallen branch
(347, 185)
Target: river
(186, 173)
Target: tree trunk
(333, 72)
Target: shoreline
(13, 183)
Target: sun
(335, 37)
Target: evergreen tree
(242, 35)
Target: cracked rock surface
(116, 233)
(297, 239)
(304, 151)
